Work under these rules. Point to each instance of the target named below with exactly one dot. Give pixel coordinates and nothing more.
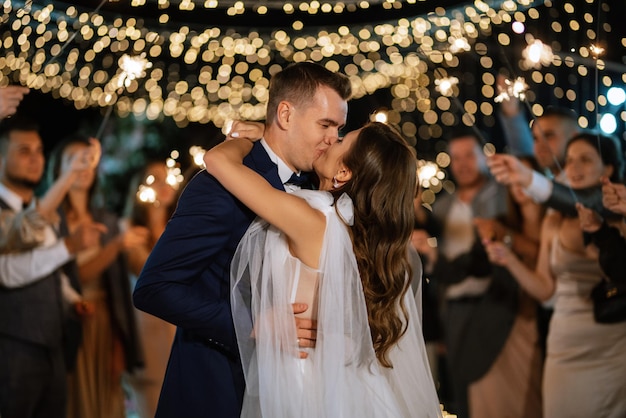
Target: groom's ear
(284, 114)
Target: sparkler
(429, 173)
(445, 85)
(146, 192)
(197, 154)
(131, 68)
(459, 44)
(174, 175)
(596, 50)
(537, 54)
(516, 88)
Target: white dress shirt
(23, 268)
(539, 188)
(284, 172)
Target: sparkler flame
(516, 88)
(445, 85)
(132, 68)
(596, 50)
(459, 44)
(147, 194)
(537, 54)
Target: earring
(335, 183)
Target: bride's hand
(306, 329)
(249, 130)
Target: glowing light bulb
(616, 96)
(518, 27)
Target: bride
(344, 248)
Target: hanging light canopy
(211, 60)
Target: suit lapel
(259, 161)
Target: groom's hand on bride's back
(306, 329)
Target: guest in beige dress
(585, 368)
(109, 344)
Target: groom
(186, 279)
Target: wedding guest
(109, 335)
(33, 323)
(515, 375)
(575, 382)
(472, 300)
(608, 237)
(27, 229)
(551, 132)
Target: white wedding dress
(341, 377)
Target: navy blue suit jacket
(186, 281)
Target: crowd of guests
(520, 245)
(71, 342)
(510, 258)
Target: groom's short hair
(298, 83)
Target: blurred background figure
(518, 366)
(34, 324)
(423, 241)
(150, 203)
(585, 367)
(110, 341)
(471, 301)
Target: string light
(225, 73)
(212, 73)
(380, 116)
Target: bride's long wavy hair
(382, 188)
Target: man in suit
(551, 132)
(463, 272)
(186, 279)
(33, 321)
